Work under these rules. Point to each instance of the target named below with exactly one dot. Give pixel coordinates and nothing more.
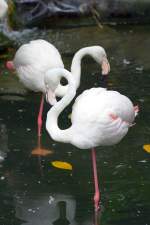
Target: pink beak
(105, 67)
(51, 98)
(10, 65)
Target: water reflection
(51, 208)
(3, 141)
(123, 169)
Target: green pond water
(32, 191)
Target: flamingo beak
(136, 110)
(105, 66)
(51, 97)
(10, 65)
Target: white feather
(92, 124)
(33, 59)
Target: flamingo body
(99, 117)
(91, 122)
(32, 60)
(92, 115)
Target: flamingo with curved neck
(99, 117)
(33, 59)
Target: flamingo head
(51, 81)
(50, 97)
(100, 56)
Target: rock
(47, 12)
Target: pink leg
(97, 192)
(39, 121)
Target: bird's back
(91, 119)
(38, 53)
(32, 60)
(92, 103)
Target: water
(32, 191)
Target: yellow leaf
(62, 165)
(146, 148)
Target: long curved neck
(96, 52)
(75, 70)
(76, 62)
(52, 117)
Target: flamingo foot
(41, 152)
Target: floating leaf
(146, 148)
(62, 165)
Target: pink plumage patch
(113, 116)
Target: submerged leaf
(62, 165)
(146, 148)
(41, 152)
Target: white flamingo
(32, 60)
(3, 8)
(100, 117)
